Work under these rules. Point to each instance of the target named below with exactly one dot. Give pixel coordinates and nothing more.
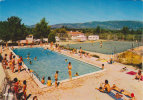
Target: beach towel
(111, 94)
(131, 73)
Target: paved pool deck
(83, 88)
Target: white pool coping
(37, 81)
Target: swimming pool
(108, 47)
(48, 62)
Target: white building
(77, 36)
(93, 37)
(29, 38)
(57, 39)
(45, 39)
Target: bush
(51, 38)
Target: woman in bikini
(69, 70)
(13, 63)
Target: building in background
(77, 36)
(93, 37)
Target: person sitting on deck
(16, 86)
(49, 82)
(30, 70)
(114, 87)
(138, 75)
(106, 87)
(43, 80)
(123, 69)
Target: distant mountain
(105, 24)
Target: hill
(105, 24)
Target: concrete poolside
(83, 88)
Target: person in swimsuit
(35, 58)
(35, 98)
(4, 61)
(106, 87)
(69, 70)
(10, 56)
(20, 64)
(80, 51)
(30, 70)
(49, 82)
(76, 74)
(56, 78)
(24, 89)
(30, 62)
(101, 44)
(13, 63)
(43, 80)
(16, 86)
(138, 75)
(114, 87)
(10, 63)
(66, 60)
(102, 66)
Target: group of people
(105, 88)
(19, 89)
(49, 81)
(10, 62)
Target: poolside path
(83, 88)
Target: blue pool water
(48, 62)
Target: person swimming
(66, 60)
(76, 74)
(35, 58)
(28, 58)
(30, 62)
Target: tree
(62, 33)
(98, 30)
(51, 38)
(4, 31)
(42, 29)
(16, 30)
(125, 30)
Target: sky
(71, 11)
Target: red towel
(141, 78)
(131, 73)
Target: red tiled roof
(75, 33)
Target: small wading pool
(48, 62)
